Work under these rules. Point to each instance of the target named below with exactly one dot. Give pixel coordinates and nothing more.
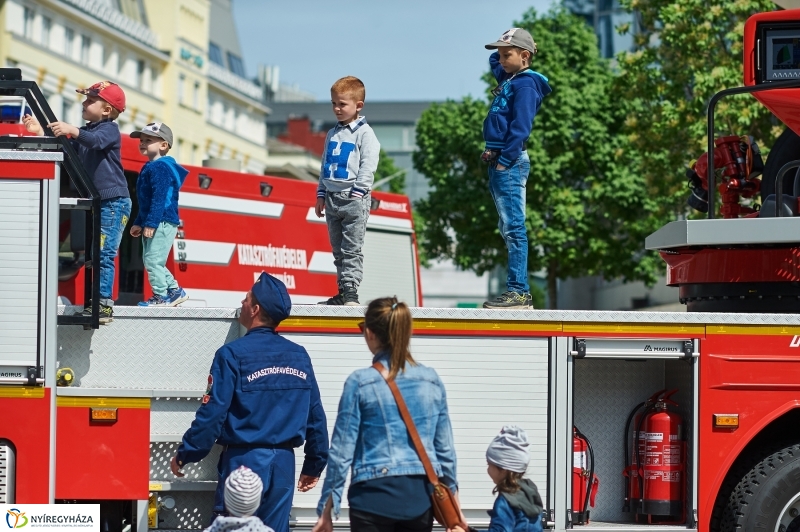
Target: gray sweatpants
(347, 224)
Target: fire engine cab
(639, 421)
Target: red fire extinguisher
(634, 448)
(584, 481)
(663, 464)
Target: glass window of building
(47, 24)
(69, 39)
(236, 64)
(140, 66)
(86, 44)
(181, 88)
(27, 28)
(215, 54)
(196, 96)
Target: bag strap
(409, 421)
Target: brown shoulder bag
(445, 506)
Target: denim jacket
(370, 435)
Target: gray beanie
(509, 449)
(243, 492)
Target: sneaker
(106, 313)
(350, 296)
(338, 299)
(510, 300)
(176, 296)
(155, 301)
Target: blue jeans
(155, 253)
(114, 214)
(508, 192)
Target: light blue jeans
(114, 214)
(155, 253)
(508, 192)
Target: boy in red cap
(98, 146)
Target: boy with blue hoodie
(157, 190)
(517, 99)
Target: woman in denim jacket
(389, 491)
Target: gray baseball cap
(515, 37)
(155, 129)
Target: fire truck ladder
(11, 84)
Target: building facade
(161, 53)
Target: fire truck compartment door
(20, 247)
(392, 271)
(634, 348)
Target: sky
(401, 49)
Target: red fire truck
(638, 421)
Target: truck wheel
(767, 498)
(785, 149)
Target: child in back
(98, 145)
(348, 170)
(518, 507)
(243, 492)
(157, 191)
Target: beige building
(164, 55)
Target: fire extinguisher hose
(639, 464)
(590, 478)
(627, 450)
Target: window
(69, 39)
(46, 25)
(86, 44)
(27, 28)
(235, 64)
(140, 66)
(196, 96)
(215, 54)
(181, 88)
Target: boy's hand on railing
(61, 129)
(32, 125)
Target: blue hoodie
(157, 189)
(98, 146)
(510, 119)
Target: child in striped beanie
(243, 491)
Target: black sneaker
(338, 299)
(350, 296)
(106, 313)
(510, 300)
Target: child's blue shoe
(176, 296)
(155, 301)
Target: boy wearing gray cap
(243, 491)
(157, 191)
(518, 507)
(507, 127)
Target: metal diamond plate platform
(161, 454)
(193, 510)
(161, 312)
(170, 417)
(27, 155)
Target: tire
(785, 149)
(757, 501)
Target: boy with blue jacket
(157, 190)
(517, 99)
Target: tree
(588, 211)
(686, 50)
(387, 168)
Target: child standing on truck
(98, 146)
(348, 169)
(157, 191)
(507, 127)
(518, 506)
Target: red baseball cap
(108, 91)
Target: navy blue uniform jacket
(261, 392)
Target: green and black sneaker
(106, 313)
(510, 300)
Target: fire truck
(639, 421)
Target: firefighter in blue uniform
(261, 402)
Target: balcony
(231, 80)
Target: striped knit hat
(243, 492)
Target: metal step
(82, 204)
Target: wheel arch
(775, 430)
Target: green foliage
(587, 207)
(386, 168)
(687, 50)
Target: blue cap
(271, 294)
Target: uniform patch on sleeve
(207, 395)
